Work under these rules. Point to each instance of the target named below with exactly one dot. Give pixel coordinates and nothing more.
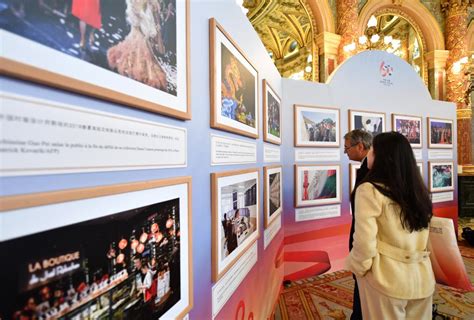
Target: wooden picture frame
(273, 193)
(353, 167)
(235, 217)
(371, 121)
(99, 231)
(440, 133)
(316, 126)
(327, 193)
(271, 115)
(95, 62)
(233, 108)
(411, 127)
(441, 176)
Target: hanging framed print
(441, 176)
(273, 193)
(317, 185)
(108, 252)
(353, 167)
(128, 52)
(234, 85)
(271, 115)
(410, 127)
(316, 126)
(440, 133)
(235, 217)
(373, 122)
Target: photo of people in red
(125, 265)
(441, 132)
(410, 129)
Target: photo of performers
(319, 126)
(122, 266)
(441, 132)
(134, 38)
(273, 115)
(237, 90)
(411, 129)
(238, 214)
(442, 176)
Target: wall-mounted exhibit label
(271, 232)
(232, 151)
(440, 154)
(225, 287)
(442, 197)
(271, 154)
(418, 154)
(302, 155)
(45, 137)
(315, 213)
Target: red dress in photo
(88, 11)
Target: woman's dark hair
(395, 174)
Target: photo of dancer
(123, 265)
(129, 46)
(410, 127)
(237, 90)
(441, 176)
(316, 127)
(440, 133)
(109, 34)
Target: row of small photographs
(440, 175)
(320, 127)
(235, 212)
(234, 91)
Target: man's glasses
(352, 145)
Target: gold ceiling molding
(281, 24)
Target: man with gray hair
(357, 144)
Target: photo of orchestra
(122, 266)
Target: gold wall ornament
(287, 30)
(465, 113)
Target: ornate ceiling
(286, 30)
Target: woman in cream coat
(389, 256)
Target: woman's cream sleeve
(368, 206)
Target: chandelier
(375, 39)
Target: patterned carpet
(329, 296)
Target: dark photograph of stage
(122, 266)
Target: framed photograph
(353, 167)
(234, 85)
(271, 115)
(118, 251)
(316, 126)
(273, 194)
(410, 127)
(127, 52)
(235, 217)
(373, 122)
(440, 133)
(441, 176)
(420, 166)
(317, 185)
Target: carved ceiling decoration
(286, 29)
